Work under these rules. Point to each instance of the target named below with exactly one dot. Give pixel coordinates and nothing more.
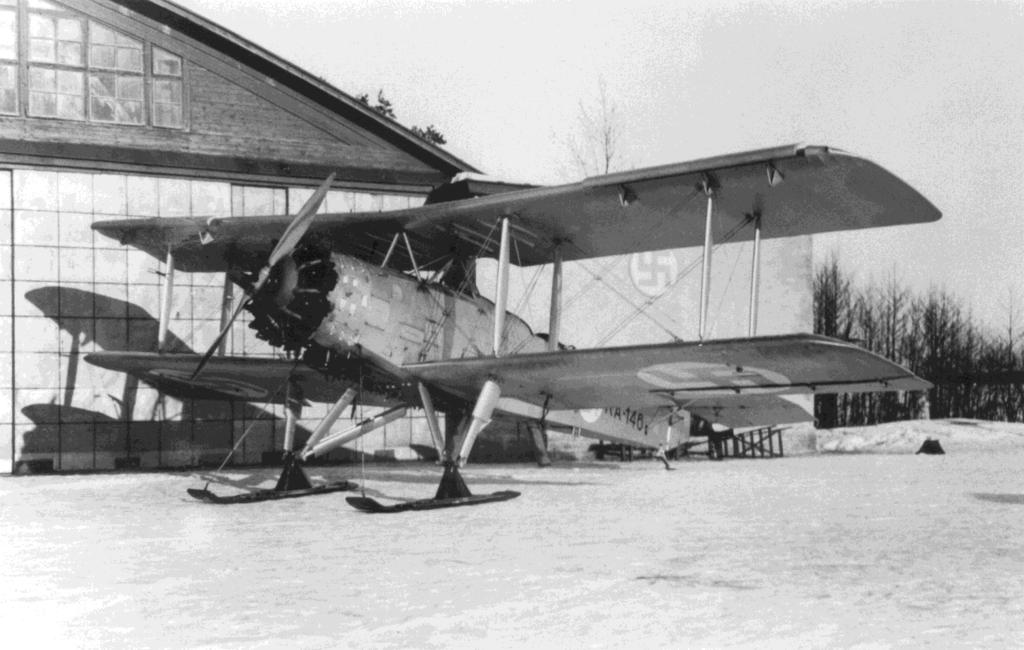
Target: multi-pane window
(8, 57)
(55, 38)
(115, 77)
(56, 93)
(81, 69)
(56, 72)
(167, 101)
(8, 31)
(113, 50)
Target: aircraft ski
(366, 504)
(206, 496)
(292, 483)
(452, 492)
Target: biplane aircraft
(382, 309)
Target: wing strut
(391, 250)
(555, 313)
(501, 298)
(412, 257)
(705, 277)
(755, 277)
(227, 299)
(165, 302)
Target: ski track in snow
(814, 551)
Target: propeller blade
(289, 240)
(300, 224)
(220, 337)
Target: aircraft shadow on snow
(1005, 498)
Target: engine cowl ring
(291, 305)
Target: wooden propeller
(289, 240)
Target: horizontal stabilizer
(737, 411)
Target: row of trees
(977, 373)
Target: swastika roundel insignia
(653, 271)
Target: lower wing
(740, 382)
(676, 374)
(250, 379)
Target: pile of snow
(907, 437)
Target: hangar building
(139, 108)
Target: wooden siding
(233, 112)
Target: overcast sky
(932, 91)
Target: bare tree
(833, 304)
(595, 147)
(975, 373)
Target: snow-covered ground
(907, 437)
(814, 551)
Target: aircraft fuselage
(402, 320)
(364, 310)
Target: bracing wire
(362, 450)
(679, 276)
(601, 271)
(721, 298)
(639, 310)
(266, 405)
(527, 293)
(598, 275)
(607, 266)
(445, 315)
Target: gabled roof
(298, 80)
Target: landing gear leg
(292, 477)
(452, 490)
(452, 486)
(663, 457)
(540, 444)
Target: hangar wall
(68, 291)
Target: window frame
(153, 77)
(15, 63)
(26, 63)
(147, 76)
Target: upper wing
(675, 373)
(795, 189)
(250, 379)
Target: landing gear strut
(452, 491)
